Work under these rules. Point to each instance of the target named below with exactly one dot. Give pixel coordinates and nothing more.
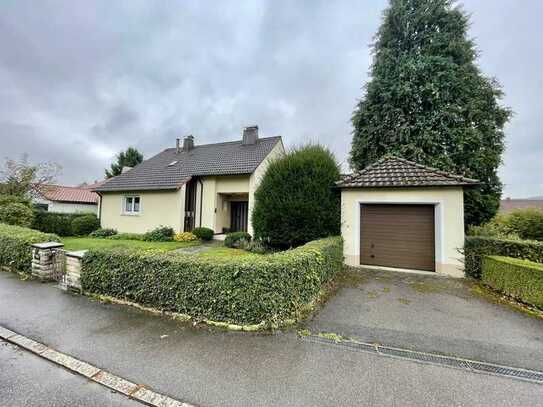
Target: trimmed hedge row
(476, 247)
(15, 244)
(269, 289)
(520, 279)
(65, 224)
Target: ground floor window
(132, 204)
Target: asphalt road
(26, 380)
(214, 368)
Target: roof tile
(392, 171)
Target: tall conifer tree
(428, 101)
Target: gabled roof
(392, 171)
(60, 193)
(170, 170)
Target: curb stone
(132, 390)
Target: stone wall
(43, 260)
(73, 270)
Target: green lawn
(82, 243)
(225, 253)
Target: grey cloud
(80, 81)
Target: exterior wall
(449, 221)
(254, 181)
(66, 207)
(215, 212)
(157, 208)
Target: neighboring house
(190, 186)
(507, 205)
(399, 214)
(61, 199)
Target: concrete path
(431, 314)
(26, 380)
(213, 368)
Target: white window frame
(131, 212)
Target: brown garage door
(399, 236)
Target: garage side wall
(449, 221)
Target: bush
(235, 239)
(526, 223)
(520, 279)
(203, 233)
(85, 224)
(9, 199)
(256, 246)
(251, 290)
(101, 233)
(16, 214)
(185, 237)
(518, 224)
(475, 248)
(57, 223)
(15, 244)
(296, 202)
(159, 234)
(127, 236)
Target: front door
(238, 216)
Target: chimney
(250, 135)
(188, 143)
(177, 145)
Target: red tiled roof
(68, 194)
(508, 205)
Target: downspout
(100, 208)
(201, 198)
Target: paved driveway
(432, 314)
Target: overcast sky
(80, 81)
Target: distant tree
(129, 158)
(428, 101)
(296, 201)
(20, 178)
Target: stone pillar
(73, 270)
(43, 266)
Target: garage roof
(392, 171)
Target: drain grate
(458, 363)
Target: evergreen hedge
(476, 247)
(15, 242)
(520, 279)
(269, 289)
(62, 224)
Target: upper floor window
(132, 204)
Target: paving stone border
(135, 391)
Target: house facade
(62, 199)
(190, 186)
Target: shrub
(101, 233)
(185, 237)
(256, 246)
(57, 223)
(526, 223)
(16, 214)
(248, 290)
(235, 239)
(203, 233)
(159, 234)
(296, 202)
(9, 199)
(15, 244)
(518, 224)
(85, 224)
(520, 279)
(475, 248)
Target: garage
(403, 215)
(398, 235)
